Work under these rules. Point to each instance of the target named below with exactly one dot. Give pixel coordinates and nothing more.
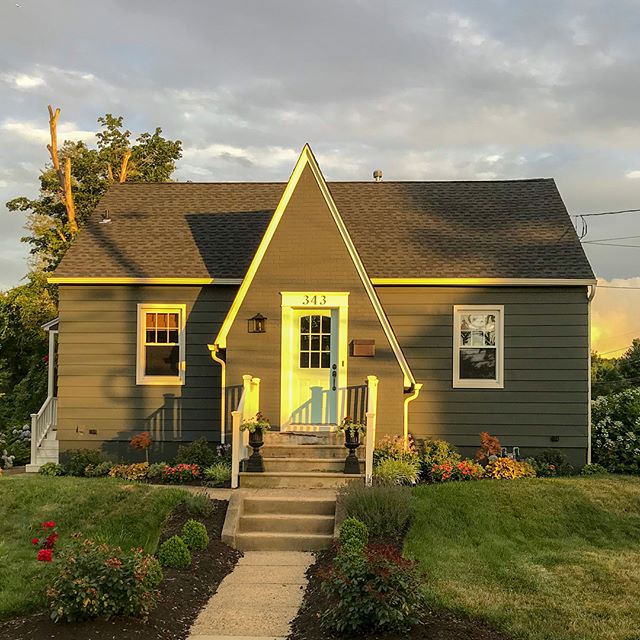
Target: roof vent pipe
(377, 175)
(105, 217)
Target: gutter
(213, 348)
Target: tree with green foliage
(116, 158)
(23, 348)
(70, 187)
(612, 375)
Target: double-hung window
(161, 344)
(478, 347)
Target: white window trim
(141, 378)
(498, 383)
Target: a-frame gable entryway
(307, 279)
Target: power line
(613, 244)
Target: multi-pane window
(315, 342)
(477, 353)
(160, 344)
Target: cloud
(34, 132)
(634, 175)
(23, 81)
(615, 320)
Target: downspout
(590, 297)
(416, 392)
(213, 348)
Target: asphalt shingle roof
(492, 229)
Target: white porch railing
(248, 406)
(372, 408)
(41, 423)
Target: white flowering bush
(15, 442)
(616, 431)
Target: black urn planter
(255, 463)
(351, 442)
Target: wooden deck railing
(41, 423)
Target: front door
(314, 367)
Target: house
(466, 303)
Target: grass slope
(541, 559)
(107, 510)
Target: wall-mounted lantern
(258, 324)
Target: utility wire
(610, 286)
(606, 213)
(613, 244)
(609, 239)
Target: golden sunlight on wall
(615, 316)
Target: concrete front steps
(299, 460)
(280, 520)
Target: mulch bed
(182, 595)
(437, 625)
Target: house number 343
(314, 300)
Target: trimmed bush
(375, 589)
(155, 470)
(197, 452)
(99, 470)
(95, 580)
(51, 469)
(390, 471)
(174, 553)
(385, 509)
(556, 461)
(592, 470)
(195, 535)
(354, 534)
(75, 461)
(218, 474)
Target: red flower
(50, 524)
(45, 555)
(51, 540)
(35, 541)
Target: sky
(423, 90)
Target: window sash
(160, 330)
(472, 336)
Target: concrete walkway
(257, 600)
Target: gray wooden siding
(546, 366)
(97, 369)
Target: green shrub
(195, 535)
(51, 469)
(436, 452)
(218, 474)
(393, 448)
(384, 509)
(174, 553)
(592, 470)
(616, 431)
(373, 590)
(155, 470)
(95, 580)
(390, 471)
(557, 462)
(77, 460)
(198, 504)
(197, 452)
(354, 534)
(98, 470)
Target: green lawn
(541, 559)
(108, 510)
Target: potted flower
(256, 428)
(352, 433)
